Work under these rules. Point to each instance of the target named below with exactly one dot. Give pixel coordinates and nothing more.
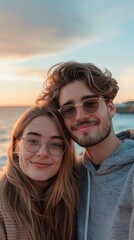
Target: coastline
(126, 107)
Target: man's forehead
(73, 92)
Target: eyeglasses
(55, 146)
(89, 105)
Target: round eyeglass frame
(86, 110)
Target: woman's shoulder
(3, 207)
(1, 186)
(1, 194)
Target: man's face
(87, 129)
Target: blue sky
(34, 35)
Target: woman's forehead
(44, 126)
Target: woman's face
(41, 149)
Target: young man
(84, 95)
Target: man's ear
(111, 108)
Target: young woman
(38, 189)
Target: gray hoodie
(105, 210)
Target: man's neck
(104, 149)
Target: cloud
(35, 28)
(31, 74)
(127, 77)
(12, 73)
(39, 28)
(126, 84)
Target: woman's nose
(43, 150)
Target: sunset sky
(34, 35)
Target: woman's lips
(41, 165)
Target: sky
(34, 35)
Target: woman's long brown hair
(53, 217)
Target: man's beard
(88, 140)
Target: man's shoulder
(126, 134)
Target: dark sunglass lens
(68, 112)
(90, 105)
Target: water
(8, 116)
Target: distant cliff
(126, 107)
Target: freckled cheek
(59, 164)
(25, 157)
(24, 162)
(57, 160)
(56, 168)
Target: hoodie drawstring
(87, 207)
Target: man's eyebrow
(88, 96)
(82, 99)
(67, 103)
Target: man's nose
(80, 113)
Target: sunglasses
(89, 105)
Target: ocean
(8, 116)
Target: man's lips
(85, 125)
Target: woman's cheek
(25, 156)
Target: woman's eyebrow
(39, 135)
(57, 137)
(34, 133)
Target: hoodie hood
(127, 134)
(123, 155)
(97, 188)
